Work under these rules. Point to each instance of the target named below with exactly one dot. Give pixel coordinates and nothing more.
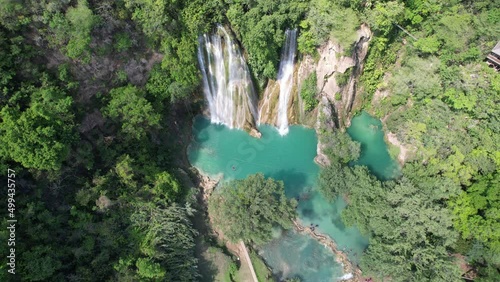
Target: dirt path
(246, 271)
(249, 261)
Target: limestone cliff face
(340, 96)
(360, 52)
(337, 87)
(268, 105)
(332, 65)
(337, 101)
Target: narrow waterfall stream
(285, 79)
(227, 85)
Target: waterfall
(285, 79)
(227, 85)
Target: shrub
(308, 92)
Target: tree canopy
(96, 99)
(136, 114)
(39, 136)
(248, 209)
(410, 229)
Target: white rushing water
(346, 277)
(227, 85)
(285, 79)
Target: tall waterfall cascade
(227, 85)
(285, 79)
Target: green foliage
(167, 239)
(180, 61)
(157, 18)
(175, 26)
(343, 78)
(82, 196)
(418, 78)
(410, 230)
(136, 114)
(6, 60)
(261, 270)
(38, 136)
(477, 214)
(459, 100)
(328, 20)
(417, 11)
(331, 181)
(455, 30)
(42, 263)
(338, 96)
(125, 171)
(199, 16)
(122, 42)
(307, 42)
(231, 272)
(429, 44)
(81, 20)
(261, 27)
(121, 76)
(441, 103)
(339, 147)
(384, 15)
(381, 54)
(432, 128)
(11, 14)
(148, 269)
(158, 84)
(308, 92)
(487, 259)
(248, 209)
(166, 186)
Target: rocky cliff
(337, 82)
(336, 100)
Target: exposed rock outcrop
(268, 105)
(330, 63)
(255, 133)
(405, 151)
(349, 91)
(337, 101)
(325, 120)
(341, 94)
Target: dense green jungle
(98, 100)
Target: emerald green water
(367, 130)
(216, 149)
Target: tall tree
(477, 212)
(82, 20)
(38, 136)
(248, 209)
(167, 242)
(129, 106)
(409, 225)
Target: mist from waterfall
(285, 79)
(227, 84)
